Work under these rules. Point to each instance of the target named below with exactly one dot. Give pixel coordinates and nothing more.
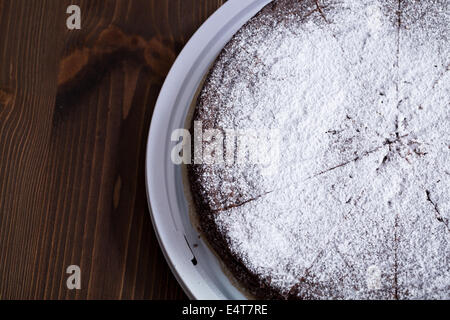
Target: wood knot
(72, 65)
(6, 96)
(159, 56)
(83, 68)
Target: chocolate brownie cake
(358, 204)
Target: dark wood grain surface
(75, 109)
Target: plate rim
(222, 17)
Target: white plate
(169, 209)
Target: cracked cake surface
(358, 205)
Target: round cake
(346, 105)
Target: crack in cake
(358, 207)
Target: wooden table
(75, 109)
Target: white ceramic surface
(168, 206)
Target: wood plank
(75, 109)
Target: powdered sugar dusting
(360, 93)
